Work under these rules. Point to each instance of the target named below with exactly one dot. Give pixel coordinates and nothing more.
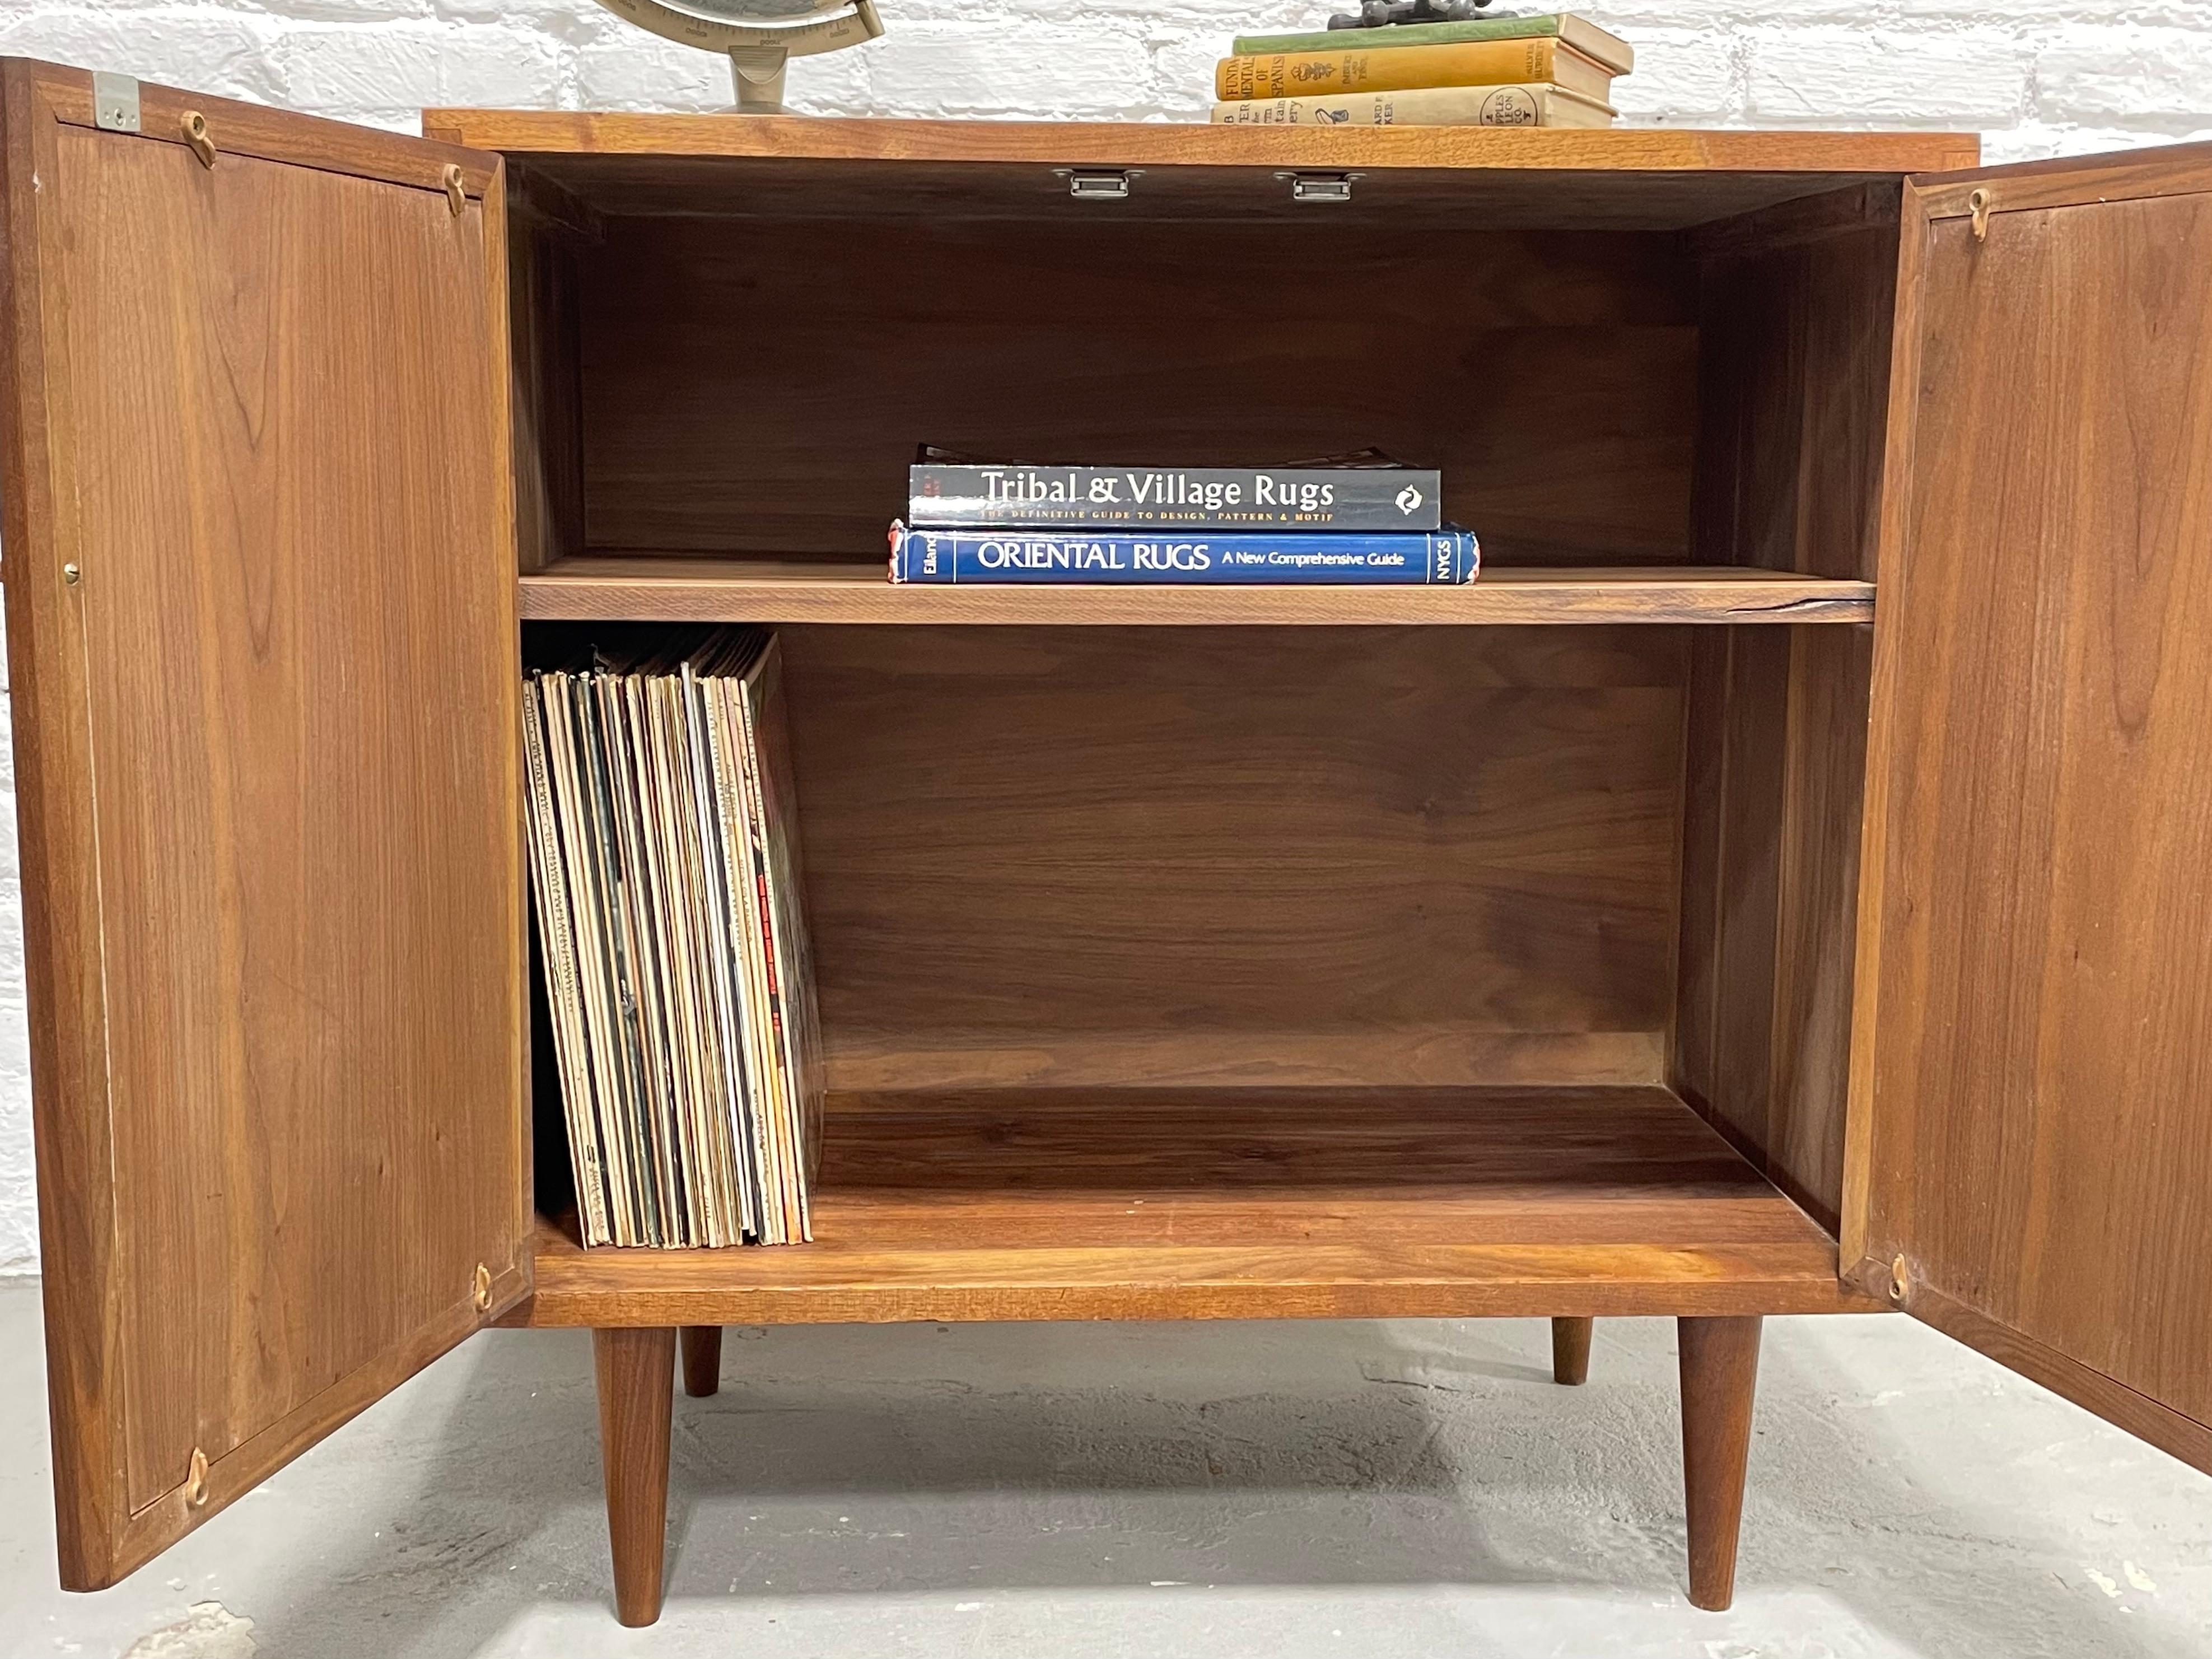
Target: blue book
(1172, 558)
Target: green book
(1584, 36)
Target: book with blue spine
(1433, 558)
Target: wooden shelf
(1243, 1204)
(644, 588)
(805, 166)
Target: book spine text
(1337, 498)
(1442, 557)
(1471, 106)
(1297, 74)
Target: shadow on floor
(905, 1459)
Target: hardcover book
(1466, 63)
(1584, 36)
(1169, 558)
(1010, 495)
(1423, 106)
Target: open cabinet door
(261, 633)
(2030, 1156)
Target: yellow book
(1396, 69)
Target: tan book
(1536, 106)
(1464, 63)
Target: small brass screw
(71, 575)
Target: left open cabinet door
(259, 571)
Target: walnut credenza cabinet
(1782, 884)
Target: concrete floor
(1053, 1491)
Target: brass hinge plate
(114, 102)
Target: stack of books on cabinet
(1350, 520)
(1555, 69)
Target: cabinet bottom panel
(1231, 1203)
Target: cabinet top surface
(1127, 144)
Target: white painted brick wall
(2036, 79)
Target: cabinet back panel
(760, 387)
(1107, 856)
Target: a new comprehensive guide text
(1167, 558)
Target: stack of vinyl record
(665, 858)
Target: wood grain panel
(260, 603)
(644, 588)
(1795, 329)
(548, 393)
(2170, 170)
(1816, 930)
(1793, 395)
(761, 389)
(1098, 855)
(1243, 1204)
(550, 133)
(796, 166)
(2032, 1136)
(1773, 785)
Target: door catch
(195, 134)
(1098, 184)
(1320, 186)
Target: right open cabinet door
(2029, 1165)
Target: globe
(759, 37)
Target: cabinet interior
(1417, 937)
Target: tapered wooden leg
(702, 1360)
(1720, 1373)
(637, 1370)
(1570, 1340)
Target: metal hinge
(1320, 186)
(114, 102)
(1097, 184)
